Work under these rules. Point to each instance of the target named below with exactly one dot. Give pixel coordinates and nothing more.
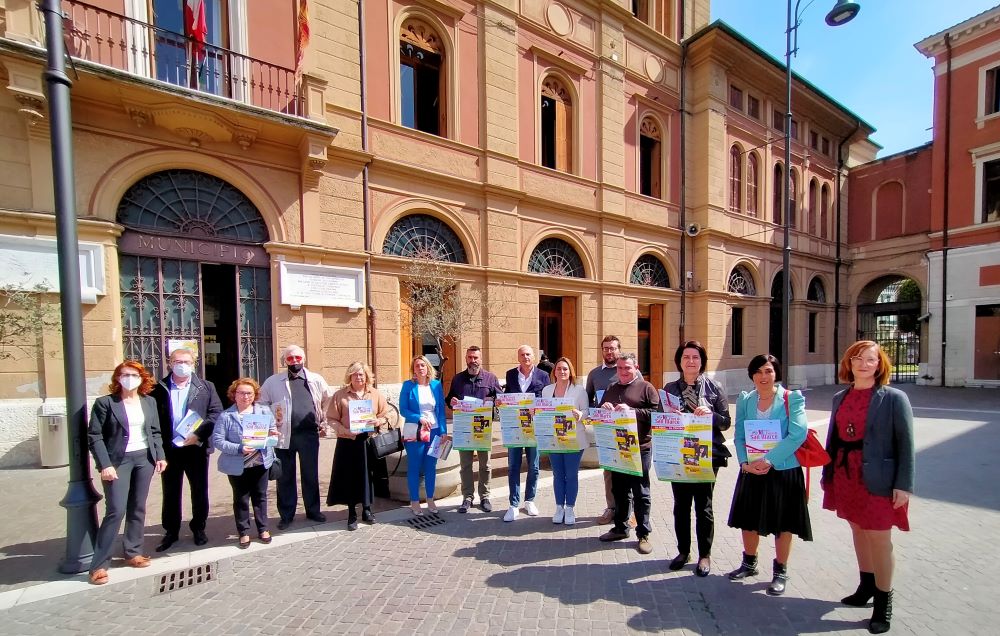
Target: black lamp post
(843, 12)
(81, 498)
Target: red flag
(303, 34)
(195, 26)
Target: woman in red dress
(870, 479)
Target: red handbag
(811, 453)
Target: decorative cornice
(195, 125)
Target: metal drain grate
(425, 521)
(186, 578)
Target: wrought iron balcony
(111, 39)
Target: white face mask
(130, 382)
(182, 369)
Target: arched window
(741, 282)
(735, 178)
(813, 202)
(556, 257)
(191, 204)
(557, 125)
(824, 214)
(753, 184)
(793, 199)
(424, 236)
(422, 78)
(650, 159)
(778, 188)
(649, 271)
(816, 292)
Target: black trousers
(192, 462)
(251, 486)
(701, 496)
(304, 445)
(633, 489)
(124, 498)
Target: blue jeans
(417, 461)
(514, 475)
(566, 476)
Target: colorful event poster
(189, 424)
(362, 415)
(517, 428)
(255, 427)
(473, 426)
(282, 410)
(440, 447)
(682, 447)
(617, 436)
(556, 426)
(761, 437)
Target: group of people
(867, 483)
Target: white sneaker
(558, 517)
(512, 513)
(531, 508)
(570, 516)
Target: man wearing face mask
(308, 396)
(176, 394)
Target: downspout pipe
(839, 258)
(682, 320)
(365, 194)
(945, 209)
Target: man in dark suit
(176, 394)
(524, 378)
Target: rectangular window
(640, 9)
(548, 132)
(795, 129)
(735, 98)
(737, 331)
(778, 120)
(814, 140)
(753, 107)
(991, 191)
(649, 166)
(826, 147)
(812, 331)
(420, 89)
(992, 92)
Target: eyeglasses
(129, 375)
(609, 348)
(294, 359)
(868, 361)
(244, 393)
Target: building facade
(242, 186)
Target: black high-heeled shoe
(882, 613)
(864, 593)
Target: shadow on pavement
(958, 469)
(712, 605)
(514, 552)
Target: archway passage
(888, 313)
(192, 273)
(776, 326)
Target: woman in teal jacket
(421, 402)
(770, 495)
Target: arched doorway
(775, 327)
(192, 271)
(557, 315)
(888, 313)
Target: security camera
(692, 229)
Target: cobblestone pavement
(475, 574)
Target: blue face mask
(182, 369)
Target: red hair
(882, 374)
(250, 382)
(146, 384)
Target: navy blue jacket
(539, 380)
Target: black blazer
(202, 399)
(539, 380)
(887, 456)
(107, 432)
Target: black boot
(882, 614)
(779, 580)
(747, 568)
(864, 593)
(352, 518)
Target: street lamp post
(842, 13)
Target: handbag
(274, 472)
(811, 454)
(387, 443)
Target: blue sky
(869, 64)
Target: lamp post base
(80, 503)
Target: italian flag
(195, 26)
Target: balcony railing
(121, 42)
